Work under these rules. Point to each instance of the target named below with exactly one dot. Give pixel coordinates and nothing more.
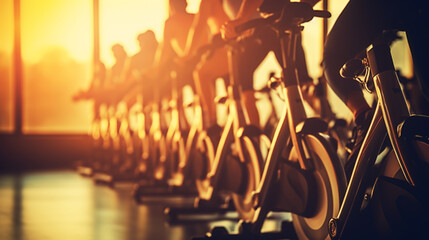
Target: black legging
(256, 48)
(361, 22)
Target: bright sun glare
(122, 21)
(68, 24)
(63, 31)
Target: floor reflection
(64, 205)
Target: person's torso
(222, 11)
(179, 27)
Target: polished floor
(64, 205)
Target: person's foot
(355, 142)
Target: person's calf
(249, 102)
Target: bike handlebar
(291, 14)
(255, 23)
(321, 14)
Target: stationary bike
(302, 173)
(176, 138)
(388, 189)
(232, 169)
(152, 177)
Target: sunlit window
(122, 21)
(6, 46)
(56, 50)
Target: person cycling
(222, 17)
(176, 29)
(268, 42)
(359, 24)
(136, 65)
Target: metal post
(96, 26)
(325, 20)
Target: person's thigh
(254, 50)
(358, 25)
(214, 66)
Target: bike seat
(312, 125)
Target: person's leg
(272, 43)
(256, 49)
(247, 64)
(357, 26)
(305, 81)
(205, 76)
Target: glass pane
(56, 50)
(6, 48)
(335, 8)
(312, 40)
(122, 21)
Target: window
(6, 59)
(56, 50)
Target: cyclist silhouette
(176, 29)
(212, 15)
(359, 24)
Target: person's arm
(165, 52)
(197, 35)
(248, 9)
(165, 55)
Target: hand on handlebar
(84, 94)
(79, 96)
(228, 29)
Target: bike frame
(236, 119)
(294, 114)
(196, 126)
(390, 112)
